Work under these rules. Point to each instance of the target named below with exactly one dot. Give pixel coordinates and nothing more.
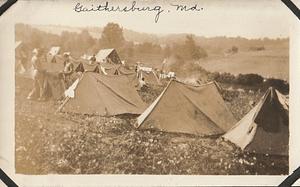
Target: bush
(223, 77)
(249, 79)
(278, 84)
(234, 49)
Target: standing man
(38, 90)
(68, 70)
(93, 59)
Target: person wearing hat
(68, 70)
(93, 59)
(38, 77)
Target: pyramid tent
(85, 65)
(116, 69)
(189, 109)
(52, 53)
(110, 69)
(57, 65)
(108, 56)
(265, 129)
(104, 95)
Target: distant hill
(214, 45)
(271, 61)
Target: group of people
(39, 75)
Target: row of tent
(103, 56)
(82, 65)
(108, 89)
(183, 108)
(107, 62)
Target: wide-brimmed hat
(67, 53)
(35, 51)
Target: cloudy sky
(250, 19)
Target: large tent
(189, 109)
(265, 129)
(108, 56)
(103, 95)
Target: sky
(231, 18)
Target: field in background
(268, 63)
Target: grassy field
(268, 63)
(48, 143)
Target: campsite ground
(72, 144)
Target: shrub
(249, 79)
(223, 77)
(234, 49)
(278, 84)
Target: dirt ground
(48, 143)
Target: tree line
(111, 37)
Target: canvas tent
(96, 94)
(189, 109)
(52, 53)
(108, 56)
(86, 65)
(265, 129)
(57, 64)
(116, 69)
(20, 58)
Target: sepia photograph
(150, 88)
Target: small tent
(188, 109)
(97, 94)
(265, 129)
(58, 64)
(86, 65)
(108, 56)
(52, 53)
(115, 69)
(20, 58)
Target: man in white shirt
(38, 77)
